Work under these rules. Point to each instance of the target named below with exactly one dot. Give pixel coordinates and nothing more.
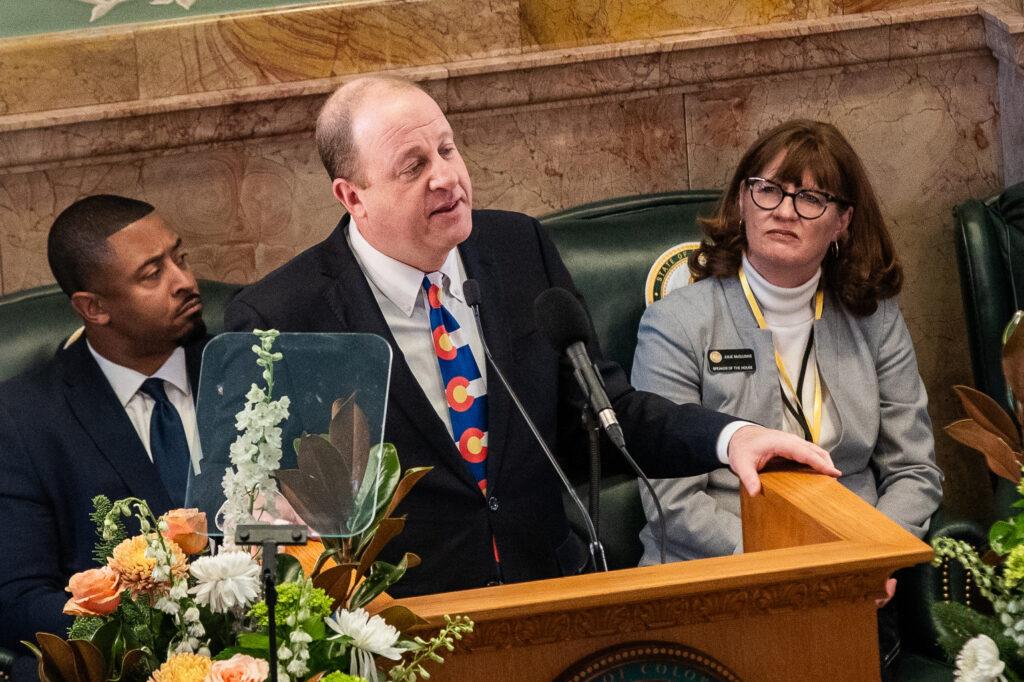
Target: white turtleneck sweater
(789, 313)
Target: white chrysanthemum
(978, 661)
(226, 581)
(370, 635)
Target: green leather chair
(990, 254)
(36, 321)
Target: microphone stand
(268, 536)
(594, 441)
(595, 547)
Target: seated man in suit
(112, 413)
(491, 510)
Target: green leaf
(382, 576)
(315, 628)
(289, 570)
(382, 468)
(258, 641)
(104, 638)
(957, 623)
(1005, 535)
(225, 654)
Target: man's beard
(196, 333)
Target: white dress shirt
(127, 383)
(398, 289)
(789, 314)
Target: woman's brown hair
(866, 269)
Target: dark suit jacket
(64, 438)
(449, 523)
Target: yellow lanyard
(819, 302)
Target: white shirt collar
(400, 283)
(126, 382)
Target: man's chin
(195, 332)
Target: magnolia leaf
(311, 489)
(336, 582)
(58, 657)
(1002, 461)
(350, 436)
(1013, 360)
(401, 618)
(91, 664)
(386, 530)
(988, 414)
(289, 569)
(382, 576)
(132, 664)
(41, 669)
(382, 476)
(409, 479)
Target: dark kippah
(78, 238)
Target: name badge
(732, 360)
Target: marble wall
(211, 121)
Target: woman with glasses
(793, 323)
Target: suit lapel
(764, 392)
(352, 301)
(480, 266)
(826, 352)
(101, 415)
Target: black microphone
(566, 324)
(471, 290)
(564, 321)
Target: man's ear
(90, 308)
(348, 194)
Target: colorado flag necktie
(464, 388)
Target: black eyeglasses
(810, 204)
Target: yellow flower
(129, 561)
(1013, 570)
(183, 668)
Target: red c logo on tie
(458, 396)
(471, 445)
(443, 345)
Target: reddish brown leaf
(410, 478)
(90, 662)
(337, 582)
(58, 658)
(388, 528)
(988, 414)
(349, 433)
(1001, 459)
(399, 617)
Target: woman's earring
(835, 249)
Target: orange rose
(187, 529)
(239, 668)
(95, 592)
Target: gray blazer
(885, 447)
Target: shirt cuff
(722, 444)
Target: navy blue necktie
(167, 441)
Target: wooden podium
(798, 604)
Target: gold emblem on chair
(670, 271)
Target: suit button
(492, 504)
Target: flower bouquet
(991, 646)
(164, 606)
